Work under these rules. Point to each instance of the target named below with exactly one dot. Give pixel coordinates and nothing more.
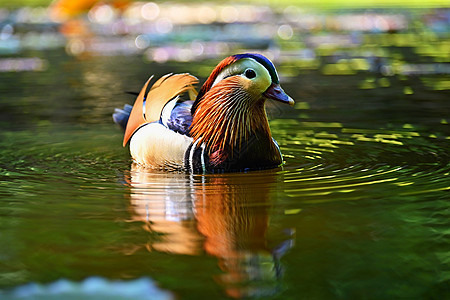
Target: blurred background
(334, 36)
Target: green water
(359, 211)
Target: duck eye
(250, 74)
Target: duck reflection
(226, 216)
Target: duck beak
(275, 92)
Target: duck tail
(121, 116)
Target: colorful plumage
(223, 128)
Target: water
(359, 210)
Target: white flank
(156, 146)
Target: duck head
(229, 108)
(257, 76)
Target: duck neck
(226, 120)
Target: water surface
(359, 210)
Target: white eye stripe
(239, 68)
(227, 72)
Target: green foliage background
(311, 3)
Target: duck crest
(212, 77)
(263, 61)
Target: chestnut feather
(212, 77)
(225, 118)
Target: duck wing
(179, 118)
(150, 102)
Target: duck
(222, 127)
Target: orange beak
(275, 92)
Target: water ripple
(345, 162)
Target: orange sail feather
(162, 91)
(137, 114)
(165, 89)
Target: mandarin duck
(221, 128)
